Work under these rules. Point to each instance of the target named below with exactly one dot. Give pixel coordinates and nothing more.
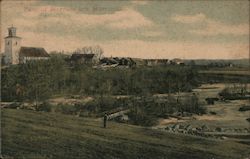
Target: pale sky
(190, 29)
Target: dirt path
(69, 101)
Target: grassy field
(225, 76)
(227, 72)
(29, 134)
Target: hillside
(29, 134)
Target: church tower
(12, 47)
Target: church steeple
(12, 47)
(12, 31)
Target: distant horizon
(70, 53)
(137, 29)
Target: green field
(29, 134)
(227, 72)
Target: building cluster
(117, 61)
(14, 53)
(163, 62)
(79, 58)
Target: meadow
(30, 134)
(54, 110)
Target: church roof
(33, 52)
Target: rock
(205, 128)
(181, 131)
(248, 119)
(198, 129)
(188, 127)
(168, 128)
(223, 137)
(228, 130)
(181, 127)
(194, 129)
(248, 130)
(176, 127)
(244, 131)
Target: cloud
(139, 2)
(33, 22)
(189, 19)
(41, 19)
(214, 28)
(152, 33)
(211, 27)
(127, 18)
(52, 42)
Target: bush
(13, 105)
(45, 106)
(244, 108)
(66, 109)
(138, 116)
(248, 119)
(212, 113)
(104, 104)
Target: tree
(9, 81)
(192, 63)
(36, 81)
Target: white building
(15, 54)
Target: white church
(14, 53)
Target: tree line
(39, 80)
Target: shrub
(248, 119)
(45, 106)
(66, 109)
(13, 105)
(138, 116)
(244, 108)
(212, 113)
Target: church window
(8, 42)
(16, 43)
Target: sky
(188, 29)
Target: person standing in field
(105, 120)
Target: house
(150, 62)
(177, 61)
(32, 53)
(108, 61)
(78, 58)
(14, 53)
(118, 62)
(156, 62)
(127, 62)
(162, 62)
(91, 56)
